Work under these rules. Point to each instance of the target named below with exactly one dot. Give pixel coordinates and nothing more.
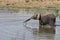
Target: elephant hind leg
(52, 23)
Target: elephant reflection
(45, 19)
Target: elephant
(45, 19)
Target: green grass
(51, 9)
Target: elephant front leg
(40, 25)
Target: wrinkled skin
(48, 19)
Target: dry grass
(23, 3)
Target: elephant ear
(39, 16)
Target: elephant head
(35, 17)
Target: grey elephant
(45, 19)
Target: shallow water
(12, 27)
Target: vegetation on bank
(38, 6)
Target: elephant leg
(40, 24)
(52, 23)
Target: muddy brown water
(12, 27)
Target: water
(12, 27)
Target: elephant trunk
(27, 20)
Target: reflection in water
(47, 29)
(42, 36)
